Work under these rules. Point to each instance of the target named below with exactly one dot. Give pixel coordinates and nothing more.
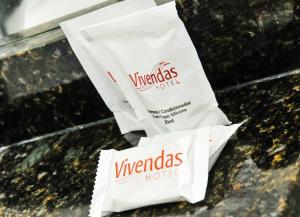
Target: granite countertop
(239, 41)
(256, 175)
(45, 90)
(43, 87)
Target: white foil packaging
(103, 81)
(175, 169)
(157, 67)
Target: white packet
(173, 170)
(104, 82)
(158, 69)
(218, 137)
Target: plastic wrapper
(175, 169)
(103, 80)
(153, 59)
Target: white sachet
(104, 81)
(175, 169)
(157, 67)
(218, 137)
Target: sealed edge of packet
(218, 137)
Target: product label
(168, 114)
(162, 76)
(163, 165)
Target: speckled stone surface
(59, 108)
(40, 69)
(45, 90)
(239, 41)
(256, 175)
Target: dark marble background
(256, 175)
(239, 41)
(236, 41)
(45, 90)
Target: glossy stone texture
(239, 41)
(256, 175)
(45, 90)
(43, 87)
